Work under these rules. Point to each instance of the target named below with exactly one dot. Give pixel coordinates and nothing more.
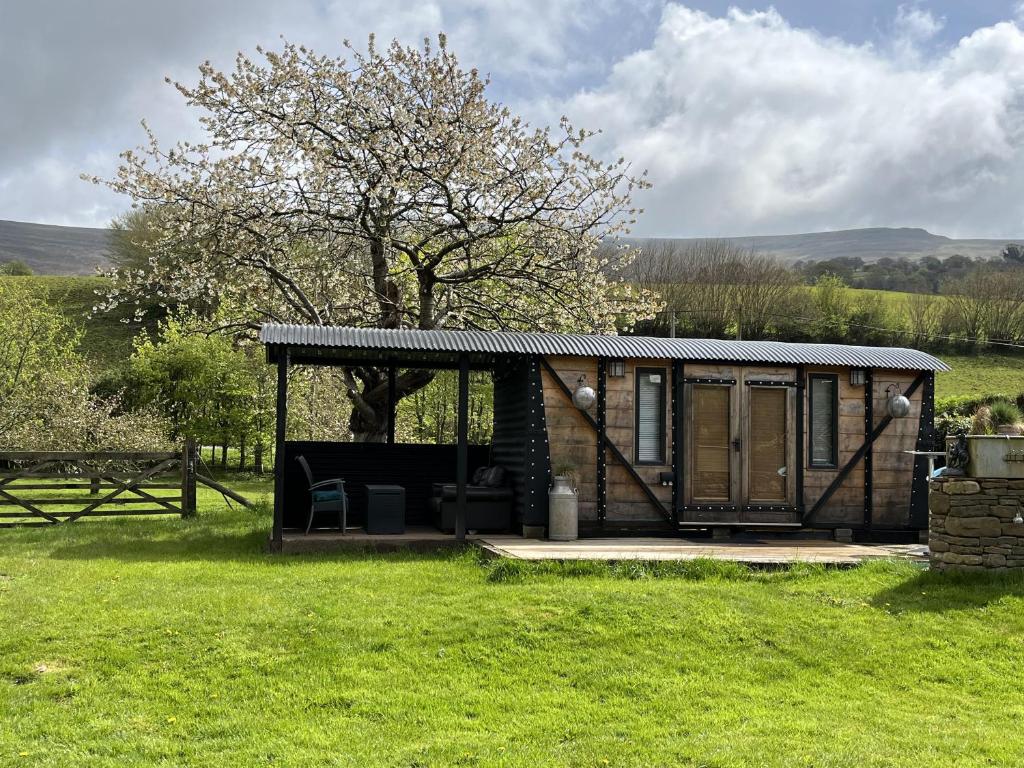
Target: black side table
(385, 509)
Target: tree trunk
(213, 455)
(369, 429)
(224, 455)
(241, 453)
(369, 419)
(257, 457)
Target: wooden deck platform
(415, 538)
(766, 550)
(769, 550)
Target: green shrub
(1004, 412)
(947, 424)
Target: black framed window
(650, 415)
(823, 420)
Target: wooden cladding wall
(892, 471)
(572, 440)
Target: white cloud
(916, 23)
(749, 125)
(82, 75)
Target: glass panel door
(711, 407)
(767, 445)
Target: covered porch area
(439, 503)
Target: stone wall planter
(976, 523)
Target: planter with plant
(1000, 417)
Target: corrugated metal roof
(576, 345)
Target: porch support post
(282, 422)
(925, 442)
(798, 473)
(462, 451)
(602, 440)
(678, 438)
(869, 425)
(391, 404)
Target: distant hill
(869, 244)
(52, 250)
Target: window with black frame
(650, 415)
(823, 425)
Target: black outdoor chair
(325, 496)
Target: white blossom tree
(384, 190)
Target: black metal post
(282, 422)
(869, 425)
(678, 437)
(462, 460)
(798, 473)
(602, 440)
(392, 404)
(925, 442)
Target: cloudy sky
(751, 118)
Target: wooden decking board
(766, 550)
(754, 552)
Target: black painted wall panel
(415, 467)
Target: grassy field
(178, 642)
(981, 374)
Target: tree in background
(1013, 253)
(384, 190)
(207, 389)
(714, 288)
(45, 403)
(16, 268)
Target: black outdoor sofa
(488, 502)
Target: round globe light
(899, 406)
(583, 397)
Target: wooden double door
(740, 450)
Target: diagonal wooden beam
(133, 488)
(27, 505)
(124, 486)
(654, 500)
(26, 472)
(859, 454)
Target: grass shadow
(933, 591)
(185, 541)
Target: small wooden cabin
(682, 433)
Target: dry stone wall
(971, 524)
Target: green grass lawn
(981, 374)
(179, 642)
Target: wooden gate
(52, 487)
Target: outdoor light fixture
(899, 405)
(584, 396)
(858, 377)
(1018, 519)
(617, 368)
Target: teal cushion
(326, 495)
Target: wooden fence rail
(119, 483)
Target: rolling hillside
(868, 244)
(52, 250)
